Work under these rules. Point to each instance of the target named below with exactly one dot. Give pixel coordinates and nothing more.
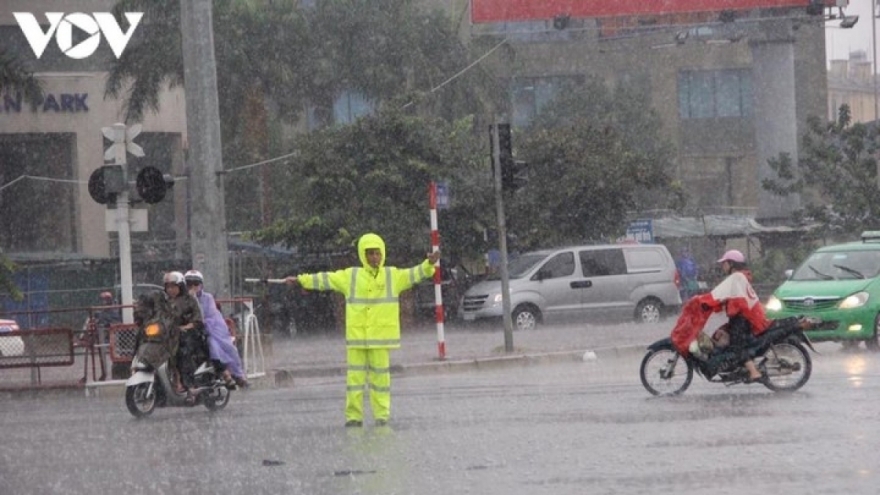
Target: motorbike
(149, 388)
(780, 353)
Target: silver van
(620, 281)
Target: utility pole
(123, 142)
(204, 161)
(502, 242)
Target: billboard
(525, 10)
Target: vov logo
(61, 26)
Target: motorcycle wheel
(139, 400)
(665, 372)
(788, 366)
(218, 399)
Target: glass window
(561, 265)
(529, 95)
(602, 262)
(708, 94)
(349, 106)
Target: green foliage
(373, 176)
(836, 174)
(594, 156)
(15, 76)
(770, 268)
(7, 268)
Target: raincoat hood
(370, 241)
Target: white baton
(265, 280)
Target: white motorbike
(149, 388)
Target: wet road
(564, 428)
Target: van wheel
(649, 311)
(872, 344)
(525, 317)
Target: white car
(10, 345)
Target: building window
(38, 213)
(529, 95)
(716, 93)
(347, 107)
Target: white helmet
(194, 276)
(175, 278)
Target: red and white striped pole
(438, 279)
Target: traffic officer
(372, 322)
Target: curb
(287, 377)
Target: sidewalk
(466, 346)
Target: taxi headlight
(854, 301)
(773, 304)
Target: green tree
(373, 175)
(594, 155)
(15, 77)
(836, 174)
(278, 55)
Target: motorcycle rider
(736, 296)
(154, 347)
(192, 347)
(220, 346)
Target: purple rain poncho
(220, 345)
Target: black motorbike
(780, 353)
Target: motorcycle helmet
(194, 276)
(175, 278)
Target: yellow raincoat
(372, 322)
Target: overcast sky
(840, 42)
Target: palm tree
(15, 77)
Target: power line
(45, 179)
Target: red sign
(525, 10)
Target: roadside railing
(25, 353)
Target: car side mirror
(542, 274)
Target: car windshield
(842, 265)
(518, 267)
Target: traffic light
(151, 184)
(105, 183)
(513, 176)
(505, 147)
(512, 171)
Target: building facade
(49, 149)
(734, 89)
(850, 82)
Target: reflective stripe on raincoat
(372, 307)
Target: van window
(602, 262)
(561, 265)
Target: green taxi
(838, 284)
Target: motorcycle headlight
(153, 330)
(773, 304)
(854, 301)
